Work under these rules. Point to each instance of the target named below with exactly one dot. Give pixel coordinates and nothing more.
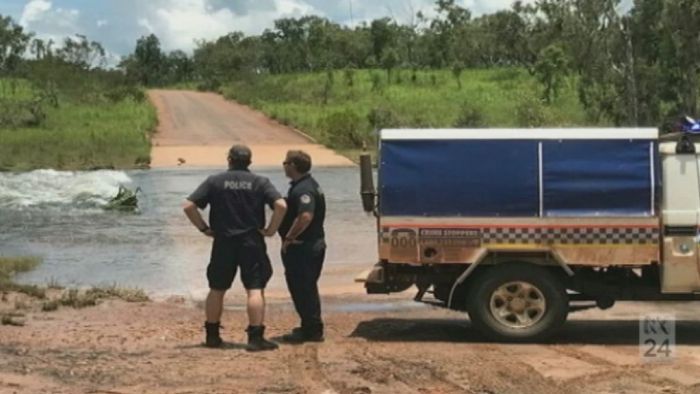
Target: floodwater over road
(57, 216)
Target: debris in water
(125, 200)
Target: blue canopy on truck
(518, 172)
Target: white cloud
(292, 7)
(47, 22)
(258, 20)
(479, 7)
(400, 10)
(67, 19)
(185, 20)
(178, 23)
(102, 22)
(33, 11)
(143, 22)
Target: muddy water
(57, 216)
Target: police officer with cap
(303, 246)
(237, 200)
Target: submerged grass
(10, 266)
(81, 299)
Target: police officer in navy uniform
(237, 200)
(303, 246)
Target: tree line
(36, 74)
(632, 67)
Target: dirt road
(197, 129)
(374, 345)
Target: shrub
(380, 118)
(419, 121)
(25, 113)
(530, 113)
(209, 85)
(328, 86)
(376, 82)
(505, 75)
(457, 68)
(343, 129)
(470, 116)
(399, 77)
(550, 70)
(50, 306)
(125, 294)
(349, 74)
(123, 92)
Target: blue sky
(117, 24)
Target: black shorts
(247, 252)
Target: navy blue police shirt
(237, 201)
(305, 195)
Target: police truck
(519, 227)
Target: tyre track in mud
(357, 369)
(412, 376)
(438, 358)
(615, 372)
(306, 369)
(496, 369)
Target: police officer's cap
(240, 153)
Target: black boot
(257, 341)
(294, 336)
(313, 333)
(304, 334)
(213, 337)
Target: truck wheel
(517, 303)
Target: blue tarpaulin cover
(482, 178)
(597, 178)
(459, 178)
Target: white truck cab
(680, 216)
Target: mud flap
(374, 280)
(380, 280)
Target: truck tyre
(517, 303)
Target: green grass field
(340, 109)
(17, 89)
(78, 135)
(329, 111)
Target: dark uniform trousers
(302, 265)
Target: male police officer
(237, 198)
(303, 246)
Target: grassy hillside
(90, 133)
(341, 109)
